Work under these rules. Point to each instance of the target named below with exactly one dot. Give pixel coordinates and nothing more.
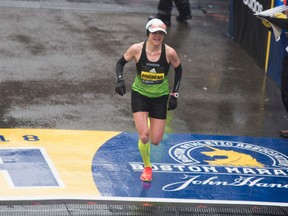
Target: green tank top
(152, 77)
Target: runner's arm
(176, 64)
(127, 57)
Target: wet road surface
(57, 63)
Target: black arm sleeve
(177, 78)
(119, 67)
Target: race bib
(152, 77)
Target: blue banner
(279, 2)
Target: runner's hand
(172, 103)
(120, 87)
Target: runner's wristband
(175, 94)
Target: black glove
(120, 87)
(172, 103)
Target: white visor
(155, 25)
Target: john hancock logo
(222, 163)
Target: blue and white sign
(201, 167)
(279, 2)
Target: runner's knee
(144, 137)
(156, 140)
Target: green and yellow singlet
(152, 77)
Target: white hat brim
(157, 29)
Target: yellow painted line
(70, 151)
(268, 44)
(267, 52)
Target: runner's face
(156, 37)
(286, 13)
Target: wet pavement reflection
(58, 69)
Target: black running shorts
(156, 107)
